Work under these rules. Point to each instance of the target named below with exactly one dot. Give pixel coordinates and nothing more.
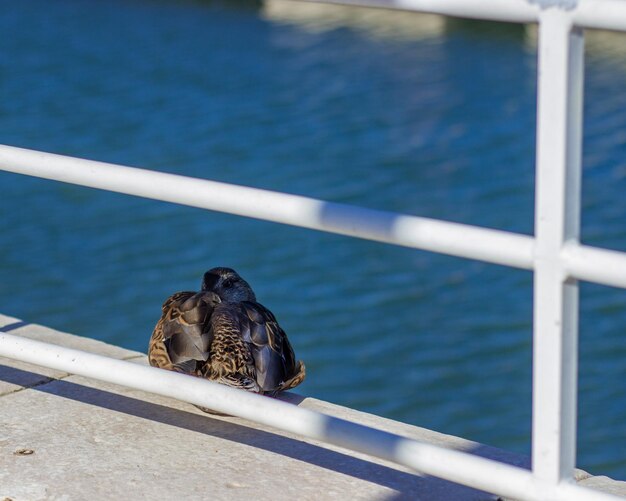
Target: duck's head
(228, 285)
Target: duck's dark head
(228, 285)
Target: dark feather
(182, 337)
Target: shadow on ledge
(407, 485)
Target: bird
(222, 334)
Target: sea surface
(418, 115)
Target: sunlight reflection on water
(439, 124)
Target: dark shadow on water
(408, 486)
(486, 30)
(252, 5)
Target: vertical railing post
(557, 220)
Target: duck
(221, 333)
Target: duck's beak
(212, 298)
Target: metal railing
(554, 254)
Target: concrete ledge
(68, 437)
(32, 375)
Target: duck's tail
(296, 379)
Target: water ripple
(439, 125)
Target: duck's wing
(249, 350)
(182, 337)
(274, 360)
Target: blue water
(439, 126)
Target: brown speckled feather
(182, 336)
(222, 334)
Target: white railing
(554, 254)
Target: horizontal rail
(456, 466)
(494, 246)
(455, 239)
(520, 11)
(601, 266)
(599, 14)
